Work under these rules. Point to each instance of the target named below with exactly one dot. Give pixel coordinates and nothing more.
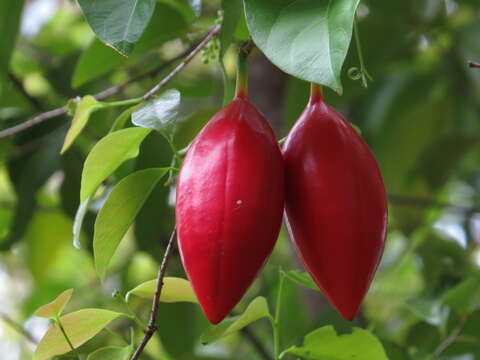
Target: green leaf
(301, 278)
(325, 344)
(122, 119)
(55, 308)
(232, 13)
(160, 113)
(80, 326)
(196, 6)
(118, 213)
(85, 108)
(78, 221)
(430, 311)
(308, 39)
(256, 310)
(112, 353)
(118, 23)
(465, 296)
(174, 290)
(107, 155)
(98, 59)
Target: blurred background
(420, 115)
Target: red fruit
(230, 195)
(335, 203)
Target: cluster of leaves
(121, 156)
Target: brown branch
(451, 338)
(187, 55)
(19, 328)
(474, 64)
(213, 31)
(152, 327)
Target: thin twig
(213, 31)
(451, 338)
(152, 327)
(473, 64)
(19, 328)
(258, 346)
(188, 56)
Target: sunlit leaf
(85, 108)
(55, 308)
(118, 213)
(160, 113)
(256, 310)
(308, 39)
(325, 344)
(173, 290)
(107, 155)
(118, 23)
(112, 353)
(232, 13)
(80, 326)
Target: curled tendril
(354, 73)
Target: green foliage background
(420, 115)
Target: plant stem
(60, 326)
(363, 70)
(152, 327)
(316, 93)
(241, 88)
(123, 102)
(474, 64)
(276, 320)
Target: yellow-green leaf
(256, 310)
(107, 155)
(325, 344)
(112, 353)
(55, 308)
(174, 290)
(85, 108)
(80, 326)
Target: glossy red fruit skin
(336, 205)
(230, 200)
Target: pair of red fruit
(235, 183)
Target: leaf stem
(242, 73)
(62, 329)
(365, 76)
(276, 320)
(316, 93)
(123, 102)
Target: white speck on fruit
(239, 202)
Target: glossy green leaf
(173, 290)
(107, 155)
(301, 278)
(112, 353)
(55, 308)
(465, 296)
(325, 344)
(98, 59)
(160, 113)
(123, 118)
(80, 326)
(256, 310)
(118, 213)
(84, 109)
(308, 39)
(118, 23)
